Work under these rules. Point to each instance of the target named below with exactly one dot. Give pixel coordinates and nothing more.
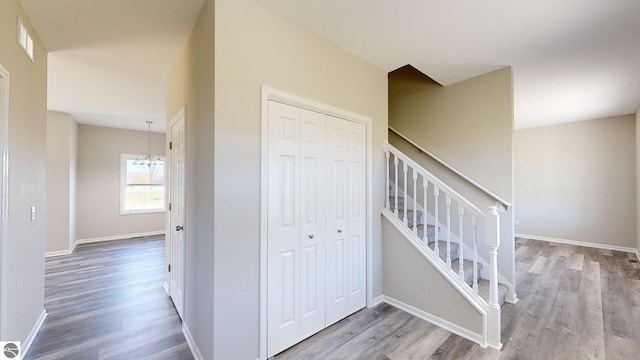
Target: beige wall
(577, 181)
(191, 83)
(98, 182)
(410, 278)
(62, 132)
(256, 47)
(469, 125)
(24, 246)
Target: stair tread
(442, 249)
(467, 266)
(483, 291)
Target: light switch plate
(33, 213)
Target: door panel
(176, 214)
(337, 180)
(312, 227)
(356, 221)
(283, 243)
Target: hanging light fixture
(148, 159)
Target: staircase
(449, 232)
(483, 284)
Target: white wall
(191, 83)
(637, 124)
(24, 246)
(98, 182)
(255, 47)
(62, 132)
(577, 181)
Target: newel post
(493, 242)
(493, 312)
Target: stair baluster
(448, 202)
(436, 195)
(474, 223)
(395, 162)
(461, 247)
(386, 201)
(404, 172)
(425, 233)
(415, 201)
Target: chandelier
(148, 159)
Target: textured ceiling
(572, 60)
(109, 59)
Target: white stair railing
(468, 221)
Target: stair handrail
(435, 180)
(505, 204)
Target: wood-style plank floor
(106, 301)
(575, 303)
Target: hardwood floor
(575, 303)
(106, 301)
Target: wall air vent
(25, 40)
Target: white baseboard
(101, 239)
(26, 345)
(166, 288)
(58, 253)
(376, 301)
(579, 243)
(192, 344)
(449, 326)
(116, 237)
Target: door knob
(339, 231)
(310, 236)
(179, 228)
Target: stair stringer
(430, 219)
(490, 319)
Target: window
(142, 186)
(25, 40)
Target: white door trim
(268, 94)
(4, 193)
(167, 239)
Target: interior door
(176, 212)
(312, 223)
(296, 222)
(356, 217)
(283, 222)
(337, 179)
(346, 218)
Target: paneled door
(316, 222)
(346, 218)
(296, 226)
(176, 212)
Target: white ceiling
(572, 60)
(109, 59)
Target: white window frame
(123, 187)
(25, 40)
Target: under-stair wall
(415, 285)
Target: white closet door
(296, 221)
(346, 186)
(356, 217)
(283, 266)
(312, 224)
